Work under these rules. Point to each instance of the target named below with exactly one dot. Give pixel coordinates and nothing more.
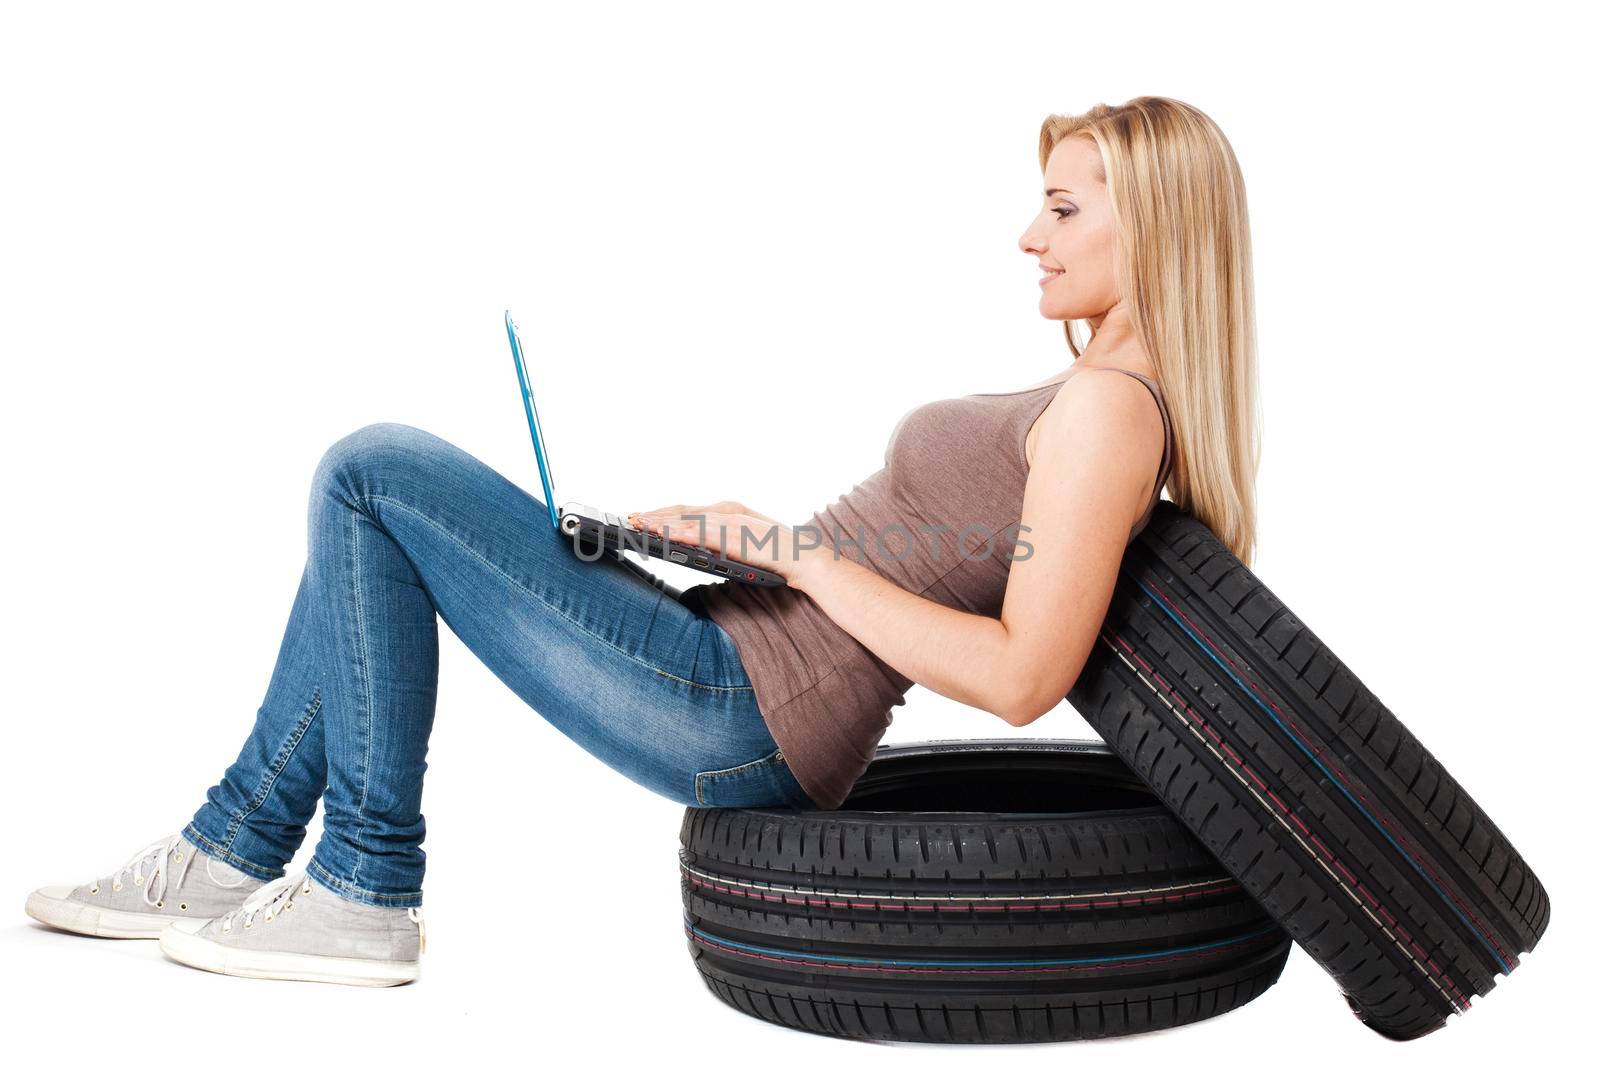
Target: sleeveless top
(953, 478)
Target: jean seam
(767, 760)
(519, 585)
(366, 679)
(706, 687)
(286, 750)
(365, 897)
(228, 856)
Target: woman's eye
(1063, 212)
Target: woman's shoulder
(1119, 409)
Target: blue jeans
(404, 527)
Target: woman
(979, 562)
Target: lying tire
(1304, 785)
(993, 891)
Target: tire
(1304, 785)
(854, 922)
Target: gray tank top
(950, 464)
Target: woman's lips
(1048, 277)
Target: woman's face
(1074, 237)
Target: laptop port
(679, 556)
(724, 569)
(701, 562)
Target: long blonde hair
(1185, 277)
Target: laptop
(593, 530)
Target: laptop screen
(545, 477)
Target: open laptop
(593, 529)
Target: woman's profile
(979, 562)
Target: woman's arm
(1098, 449)
(1097, 453)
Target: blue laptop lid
(533, 423)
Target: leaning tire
(993, 891)
(1304, 785)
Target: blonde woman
(978, 562)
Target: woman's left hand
(732, 529)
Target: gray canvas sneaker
(168, 881)
(296, 929)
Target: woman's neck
(1115, 344)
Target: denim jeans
(406, 528)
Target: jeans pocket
(763, 782)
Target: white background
(229, 238)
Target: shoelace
(278, 895)
(166, 852)
(269, 899)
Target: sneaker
(295, 929)
(169, 881)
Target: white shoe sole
(183, 946)
(55, 909)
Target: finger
(641, 519)
(676, 525)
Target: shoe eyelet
(161, 904)
(306, 889)
(138, 880)
(94, 889)
(177, 857)
(247, 925)
(226, 929)
(287, 905)
(116, 886)
(269, 918)
(183, 906)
